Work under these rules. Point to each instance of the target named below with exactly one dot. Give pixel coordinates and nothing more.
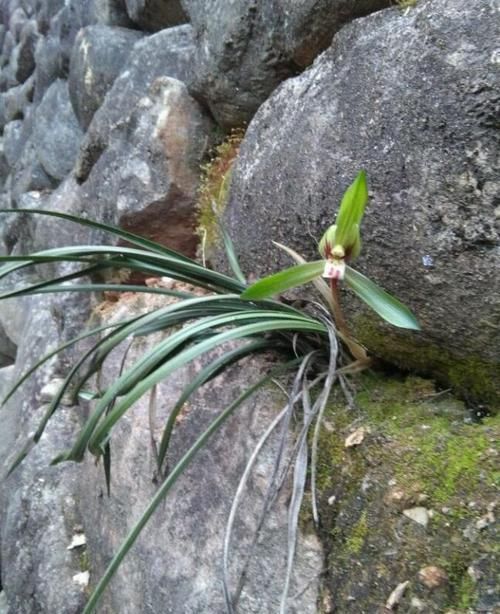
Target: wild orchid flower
(340, 245)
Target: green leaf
(387, 307)
(284, 280)
(350, 215)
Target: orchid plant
(340, 245)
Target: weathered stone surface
(7, 350)
(16, 100)
(57, 134)
(48, 65)
(245, 49)
(28, 174)
(166, 54)
(409, 96)
(23, 56)
(112, 13)
(156, 15)
(65, 25)
(189, 574)
(13, 141)
(38, 503)
(97, 58)
(148, 175)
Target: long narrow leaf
(351, 211)
(188, 355)
(284, 280)
(59, 349)
(387, 307)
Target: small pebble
(417, 604)
(432, 576)
(474, 573)
(419, 515)
(356, 438)
(82, 578)
(485, 521)
(396, 595)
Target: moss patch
(214, 190)
(420, 451)
(470, 377)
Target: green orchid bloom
(340, 245)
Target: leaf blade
(386, 306)
(284, 280)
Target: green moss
(214, 189)
(356, 539)
(439, 456)
(470, 377)
(417, 444)
(84, 560)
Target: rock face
(96, 60)
(245, 49)
(149, 173)
(155, 15)
(410, 97)
(56, 133)
(166, 54)
(190, 570)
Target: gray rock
(39, 502)
(49, 65)
(28, 174)
(16, 100)
(57, 134)
(189, 572)
(245, 49)
(17, 19)
(13, 141)
(112, 13)
(7, 353)
(97, 58)
(148, 176)
(166, 54)
(23, 56)
(154, 15)
(8, 45)
(65, 25)
(409, 96)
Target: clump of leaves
(214, 188)
(228, 311)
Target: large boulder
(245, 49)
(410, 97)
(148, 176)
(166, 54)
(23, 56)
(180, 551)
(57, 134)
(156, 15)
(39, 503)
(98, 55)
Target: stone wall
(108, 109)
